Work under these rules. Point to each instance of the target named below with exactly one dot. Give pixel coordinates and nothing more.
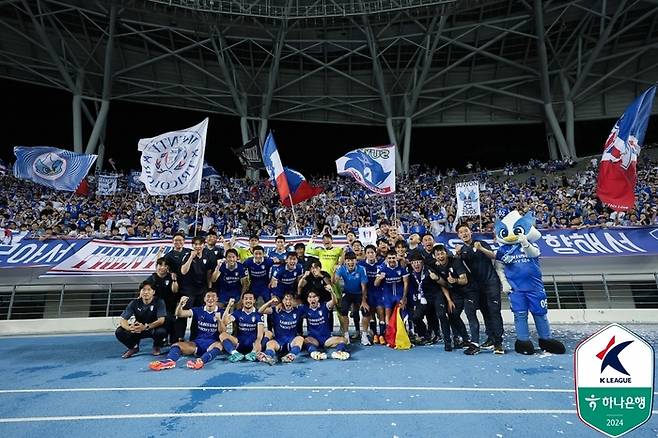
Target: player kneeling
(319, 331)
(286, 317)
(206, 345)
(248, 329)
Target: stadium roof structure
(398, 64)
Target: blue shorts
(225, 296)
(375, 300)
(534, 301)
(321, 338)
(202, 345)
(246, 345)
(263, 293)
(284, 343)
(391, 300)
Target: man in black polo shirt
(303, 259)
(149, 318)
(174, 257)
(450, 274)
(196, 271)
(483, 293)
(165, 284)
(213, 245)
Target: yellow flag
(402, 341)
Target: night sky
(39, 116)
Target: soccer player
(196, 272)
(319, 331)
(245, 253)
(279, 252)
(213, 245)
(249, 329)
(206, 345)
(315, 279)
(375, 298)
(357, 248)
(285, 339)
(286, 277)
(149, 314)
(175, 256)
(304, 259)
(231, 277)
(259, 269)
(395, 282)
(486, 296)
(355, 295)
(165, 284)
(329, 255)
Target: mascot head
(508, 230)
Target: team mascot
(517, 265)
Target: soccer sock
(311, 348)
(210, 355)
(295, 350)
(521, 325)
(263, 344)
(174, 353)
(382, 328)
(340, 347)
(542, 325)
(270, 352)
(373, 326)
(228, 346)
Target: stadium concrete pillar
(544, 82)
(77, 113)
(568, 114)
(101, 118)
(407, 145)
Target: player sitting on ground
(319, 331)
(206, 345)
(247, 325)
(285, 340)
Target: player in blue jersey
(206, 345)
(231, 278)
(259, 269)
(248, 330)
(279, 252)
(285, 340)
(375, 298)
(395, 283)
(286, 277)
(319, 330)
(353, 279)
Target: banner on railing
(27, 253)
(137, 257)
(584, 242)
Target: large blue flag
(209, 171)
(56, 168)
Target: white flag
(373, 168)
(107, 184)
(172, 163)
(468, 198)
(368, 235)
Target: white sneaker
(340, 355)
(318, 355)
(364, 340)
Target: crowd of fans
(559, 195)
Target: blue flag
(208, 170)
(56, 168)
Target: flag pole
(196, 215)
(294, 217)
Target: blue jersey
(273, 253)
(230, 285)
(523, 273)
(247, 325)
(353, 279)
(317, 321)
(285, 324)
(393, 279)
(259, 274)
(371, 272)
(286, 279)
(206, 323)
